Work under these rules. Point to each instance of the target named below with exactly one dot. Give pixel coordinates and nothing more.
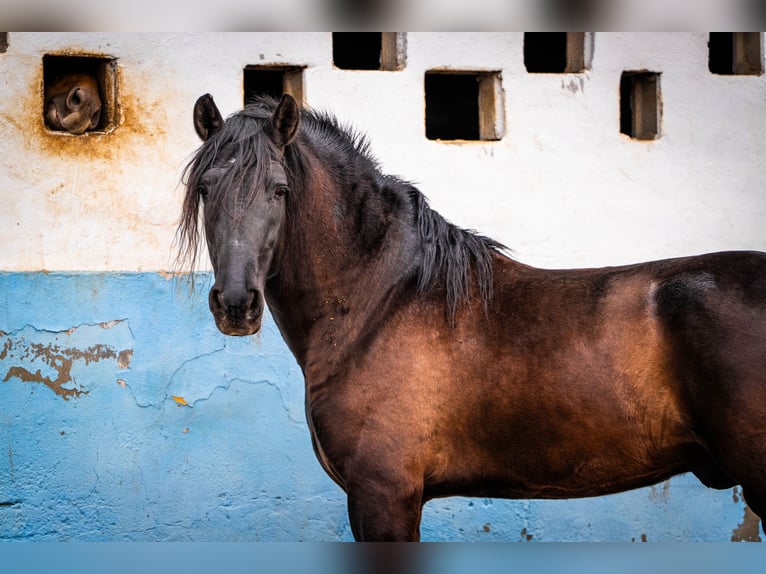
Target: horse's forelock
(241, 138)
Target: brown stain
(60, 359)
(525, 535)
(749, 530)
(124, 358)
(133, 136)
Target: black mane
(446, 255)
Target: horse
(72, 103)
(436, 364)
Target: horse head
(73, 104)
(240, 181)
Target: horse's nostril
(254, 302)
(74, 99)
(236, 304)
(216, 300)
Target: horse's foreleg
(383, 511)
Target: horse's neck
(328, 291)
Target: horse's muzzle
(237, 312)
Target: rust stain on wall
(138, 124)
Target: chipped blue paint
(125, 461)
(58, 359)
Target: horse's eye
(202, 192)
(281, 190)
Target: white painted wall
(562, 188)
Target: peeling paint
(749, 530)
(181, 401)
(525, 535)
(123, 359)
(48, 358)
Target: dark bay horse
(436, 365)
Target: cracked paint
(32, 355)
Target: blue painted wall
(126, 416)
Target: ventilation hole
(545, 52)
(556, 52)
(368, 50)
(735, 53)
(79, 94)
(640, 105)
(463, 105)
(273, 81)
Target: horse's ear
(207, 118)
(285, 121)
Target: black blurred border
(379, 15)
(349, 558)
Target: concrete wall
(124, 414)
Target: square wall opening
(66, 86)
(368, 50)
(735, 53)
(640, 105)
(273, 81)
(557, 52)
(464, 105)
